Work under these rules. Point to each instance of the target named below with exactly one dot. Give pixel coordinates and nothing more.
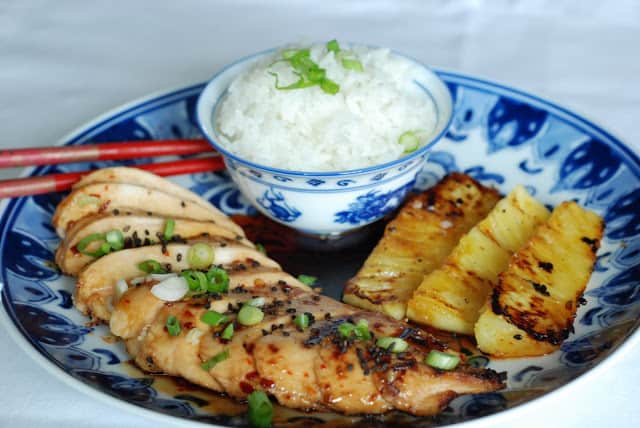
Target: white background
(64, 62)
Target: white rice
(310, 130)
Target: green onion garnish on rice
(409, 141)
(309, 73)
(352, 64)
(333, 46)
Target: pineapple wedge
(425, 230)
(532, 308)
(451, 297)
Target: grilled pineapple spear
(450, 298)
(532, 308)
(417, 241)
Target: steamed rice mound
(310, 130)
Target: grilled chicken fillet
(311, 367)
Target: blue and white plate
(500, 136)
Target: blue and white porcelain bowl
(323, 203)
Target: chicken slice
(286, 369)
(95, 285)
(121, 174)
(99, 198)
(138, 230)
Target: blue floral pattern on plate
(499, 135)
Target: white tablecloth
(64, 62)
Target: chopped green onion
(196, 280)
(309, 73)
(256, 301)
(409, 140)
(301, 321)
(115, 239)
(200, 256)
(329, 86)
(260, 410)
(227, 333)
(105, 248)
(289, 53)
(392, 344)
(478, 361)
(261, 248)
(307, 279)
(301, 83)
(173, 325)
(213, 361)
(250, 315)
(151, 266)
(442, 360)
(316, 75)
(168, 228)
(84, 243)
(333, 46)
(345, 329)
(218, 280)
(360, 331)
(213, 318)
(352, 64)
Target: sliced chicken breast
(99, 198)
(95, 284)
(138, 230)
(139, 177)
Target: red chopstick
(59, 182)
(101, 151)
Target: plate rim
(19, 337)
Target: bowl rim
(340, 173)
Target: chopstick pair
(101, 152)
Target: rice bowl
(376, 115)
(323, 201)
